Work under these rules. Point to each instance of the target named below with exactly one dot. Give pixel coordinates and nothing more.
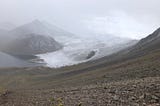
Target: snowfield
(77, 50)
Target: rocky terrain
(142, 92)
(135, 82)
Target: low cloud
(134, 18)
(121, 24)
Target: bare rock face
(91, 54)
(32, 44)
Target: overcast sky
(126, 18)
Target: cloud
(68, 14)
(121, 24)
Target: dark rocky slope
(32, 44)
(30, 39)
(144, 46)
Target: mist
(132, 19)
(67, 32)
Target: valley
(79, 53)
(128, 77)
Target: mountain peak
(36, 21)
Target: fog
(132, 19)
(109, 25)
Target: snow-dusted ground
(67, 56)
(77, 49)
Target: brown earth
(133, 82)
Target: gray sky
(126, 18)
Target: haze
(132, 19)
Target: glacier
(76, 49)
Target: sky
(125, 18)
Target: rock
(155, 99)
(112, 91)
(91, 54)
(135, 104)
(142, 96)
(105, 87)
(115, 97)
(132, 98)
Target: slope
(131, 80)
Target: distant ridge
(145, 46)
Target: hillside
(32, 44)
(149, 43)
(124, 78)
(143, 47)
(127, 83)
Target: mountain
(33, 27)
(149, 43)
(32, 44)
(29, 39)
(42, 28)
(144, 46)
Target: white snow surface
(76, 49)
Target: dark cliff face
(32, 44)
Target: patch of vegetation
(80, 104)
(57, 102)
(2, 91)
